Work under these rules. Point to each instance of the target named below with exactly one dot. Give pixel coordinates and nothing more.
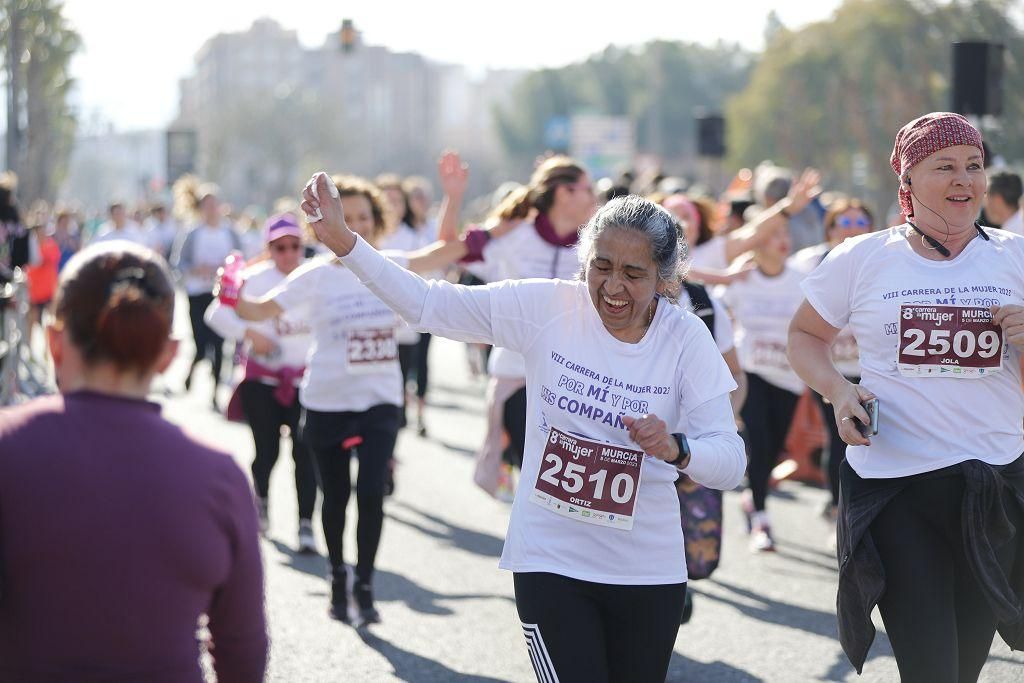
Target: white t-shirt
(925, 422)
(724, 335)
(517, 255)
(845, 354)
(350, 328)
(581, 380)
(1015, 223)
(130, 232)
(762, 309)
(290, 333)
(212, 245)
(710, 255)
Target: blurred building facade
(267, 111)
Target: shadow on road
(462, 450)
(313, 564)
(814, 621)
(681, 669)
(409, 666)
(452, 534)
(390, 587)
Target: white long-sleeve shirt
(581, 381)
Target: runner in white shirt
(196, 259)
(844, 219)
(930, 519)
(275, 355)
(624, 387)
(713, 255)
(120, 227)
(352, 388)
(762, 305)
(545, 217)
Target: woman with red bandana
(931, 511)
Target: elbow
(737, 463)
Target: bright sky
(135, 51)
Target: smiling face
(849, 223)
(950, 183)
(359, 215)
(286, 253)
(622, 278)
(576, 201)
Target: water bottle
(229, 279)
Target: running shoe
(263, 508)
(363, 593)
(307, 543)
(340, 588)
(761, 540)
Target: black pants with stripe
(584, 632)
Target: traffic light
(347, 35)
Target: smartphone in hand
(871, 429)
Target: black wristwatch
(684, 450)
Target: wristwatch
(684, 450)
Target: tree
(834, 93)
(659, 86)
(41, 125)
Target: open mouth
(959, 199)
(615, 305)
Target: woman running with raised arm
(625, 390)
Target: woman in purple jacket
(118, 531)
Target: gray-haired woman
(624, 391)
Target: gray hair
(669, 250)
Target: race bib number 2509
(949, 341)
(589, 481)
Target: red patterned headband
(925, 136)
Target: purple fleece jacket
(117, 531)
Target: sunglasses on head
(295, 246)
(845, 222)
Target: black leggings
(767, 415)
(835, 451)
(266, 416)
(934, 611)
(513, 418)
(207, 341)
(325, 433)
(412, 358)
(583, 632)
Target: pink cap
(281, 225)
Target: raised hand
(454, 174)
(322, 205)
(804, 189)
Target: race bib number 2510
(589, 481)
(949, 341)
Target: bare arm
(810, 356)
(454, 178)
(739, 396)
(257, 309)
(754, 233)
